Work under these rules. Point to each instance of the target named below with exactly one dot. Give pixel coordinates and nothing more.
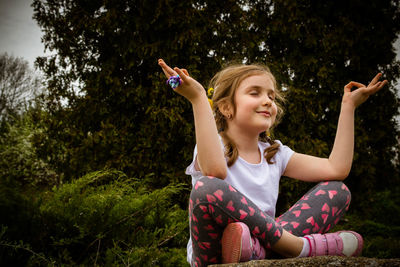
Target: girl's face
(255, 107)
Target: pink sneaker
(342, 243)
(239, 246)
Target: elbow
(215, 168)
(223, 174)
(341, 175)
(338, 172)
(219, 172)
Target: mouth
(264, 113)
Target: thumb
(352, 84)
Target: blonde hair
(225, 84)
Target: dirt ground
(318, 261)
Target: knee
(206, 185)
(339, 193)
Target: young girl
(236, 170)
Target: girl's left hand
(361, 94)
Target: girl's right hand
(189, 88)
(210, 160)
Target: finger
(375, 79)
(350, 85)
(181, 73)
(186, 72)
(383, 84)
(378, 86)
(166, 69)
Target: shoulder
(266, 144)
(282, 150)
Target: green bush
(19, 163)
(106, 218)
(380, 240)
(378, 223)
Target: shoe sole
(232, 243)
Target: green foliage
(379, 224)
(19, 163)
(315, 48)
(106, 218)
(125, 116)
(381, 239)
(18, 208)
(104, 211)
(17, 249)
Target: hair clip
(210, 93)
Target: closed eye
(254, 93)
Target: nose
(266, 100)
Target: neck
(245, 141)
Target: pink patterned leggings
(214, 204)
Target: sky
(20, 35)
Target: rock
(330, 261)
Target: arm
(338, 165)
(210, 157)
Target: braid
(231, 151)
(270, 151)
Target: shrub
(106, 218)
(19, 163)
(380, 230)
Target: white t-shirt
(259, 182)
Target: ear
(225, 108)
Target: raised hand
(190, 88)
(361, 94)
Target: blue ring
(174, 81)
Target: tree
(316, 48)
(18, 85)
(126, 117)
